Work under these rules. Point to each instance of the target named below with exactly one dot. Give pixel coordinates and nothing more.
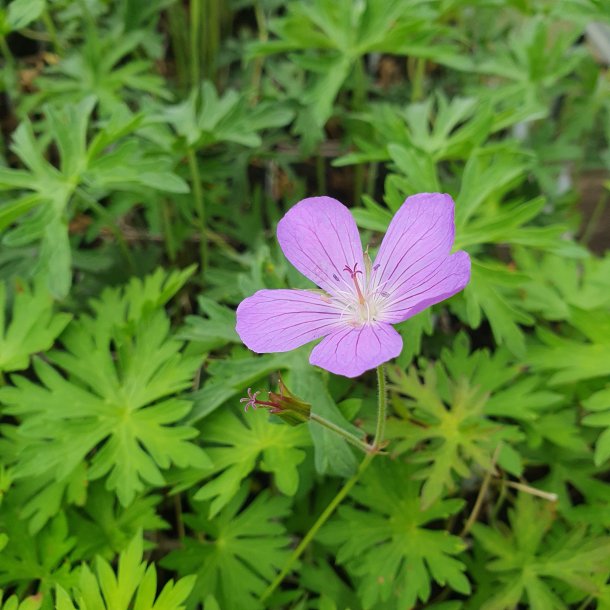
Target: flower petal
(421, 233)
(351, 351)
(319, 237)
(428, 286)
(281, 320)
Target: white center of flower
(361, 302)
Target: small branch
(476, 509)
(545, 495)
(348, 436)
(321, 520)
(381, 407)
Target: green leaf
(105, 68)
(242, 549)
(205, 118)
(119, 400)
(444, 419)
(42, 560)
(229, 378)
(571, 360)
(394, 556)
(332, 453)
(22, 12)
(526, 561)
(102, 526)
(234, 455)
(133, 587)
(32, 327)
(214, 331)
(492, 291)
(44, 216)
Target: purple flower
(359, 300)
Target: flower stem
(199, 207)
(334, 503)
(195, 24)
(382, 400)
(348, 436)
(321, 520)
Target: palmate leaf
(132, 587)
(237, 553)
(330, 37)
(239, 443)
(230, 378)
(569, 472)
(205, 118)
(570, 360)
(118, 405)
(214, 331)
(99, 68)
(385, 545)
(493, 291)
(86, 169)
(41, 561)
(103, 527)
(528, 561)
(444, 415)
(41, 497)
(32, 327)
(561, 288)
(437, 128)
(533, 60)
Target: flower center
(365, 305)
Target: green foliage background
(147, 151)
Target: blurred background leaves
(146, 154)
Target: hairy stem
(321, 520)
(334, 503)
(382, 400)
(348, 436)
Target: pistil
(354, 275)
